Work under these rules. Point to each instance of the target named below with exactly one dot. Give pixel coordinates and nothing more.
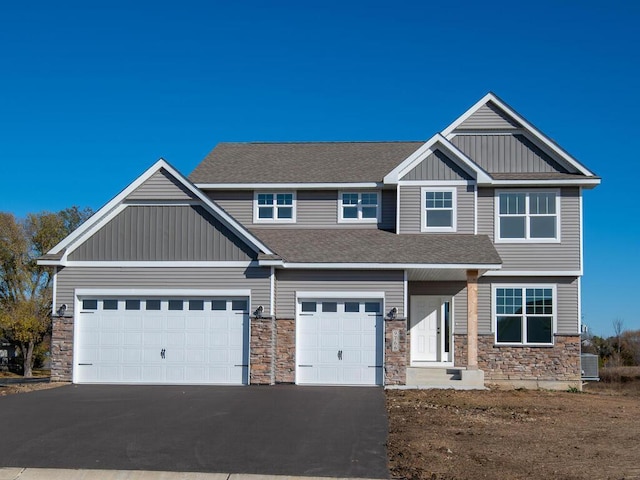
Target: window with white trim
(272, 207)
(524, 315)
(438, 209)
(527, 216)
(362, 207)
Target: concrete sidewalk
(70, 474)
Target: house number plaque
(395, 340)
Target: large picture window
(527, 216)
(438, 210)
(270, 207)
(524, 315)
(363, 207)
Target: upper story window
(274, 207)
(527, 216)
(361, 207)
(524, 314)
(438, 209)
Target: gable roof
(345, 246)
(498, 106)
(437, 142)
(58, 254)
(305, 162)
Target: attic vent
(589, 367)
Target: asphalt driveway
(279, 430)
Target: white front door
(339, 342)
(430, 329)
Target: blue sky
(92, 93)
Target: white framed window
(359, 207)
(438, 209)
(527, 216)
(524, 314)
(274, 207)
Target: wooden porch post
(472, 319)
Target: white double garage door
(205, 340)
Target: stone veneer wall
(62, 349)
(395, 363)
(285, 351)
(261, 350)
(557, 363)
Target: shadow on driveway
(277, 430)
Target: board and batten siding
(411, 208)
(566, 308)
(288, 282)
(506, 153)
(437, 166)
(163, 233)
(456, 290)
(537, 256)
(201, 278)
(161, 186)
(314, 209)
(488, 117)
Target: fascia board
(100, 215)
(435, 142)
(393, 266)
(555, 148)
(587, 182)
(287, 186)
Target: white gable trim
(529, 128)
(116, 205)
(434, 143)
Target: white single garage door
(162, 340)
(339, 342)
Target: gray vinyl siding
(437, 166)
(288, 282)
(537, 256)
(567, 301)
(506, 153)
(314, 209)
(210, 278)
(154, 233)
(457, 290)
(411, 208)
(161, 186)
(490, 117)
(237, 203)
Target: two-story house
(451, 262)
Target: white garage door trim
(368, 363)
(200, 325)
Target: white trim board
(529, 128)
(115, 205)
(150, 263)
(437, 142)
(287, 186)
(338, 294)
(161, 292)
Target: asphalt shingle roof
(538, 176)
(319, 162)
(377, 246)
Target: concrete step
(444, 377)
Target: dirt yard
(517, 434)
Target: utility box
(589, 367)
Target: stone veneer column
(472, 319)
(396, 352)
(285, 351)
(261, 348)
(62, 349)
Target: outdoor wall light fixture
(258, 312)
(393, 314)
(61, 310)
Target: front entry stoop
(458, 378)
